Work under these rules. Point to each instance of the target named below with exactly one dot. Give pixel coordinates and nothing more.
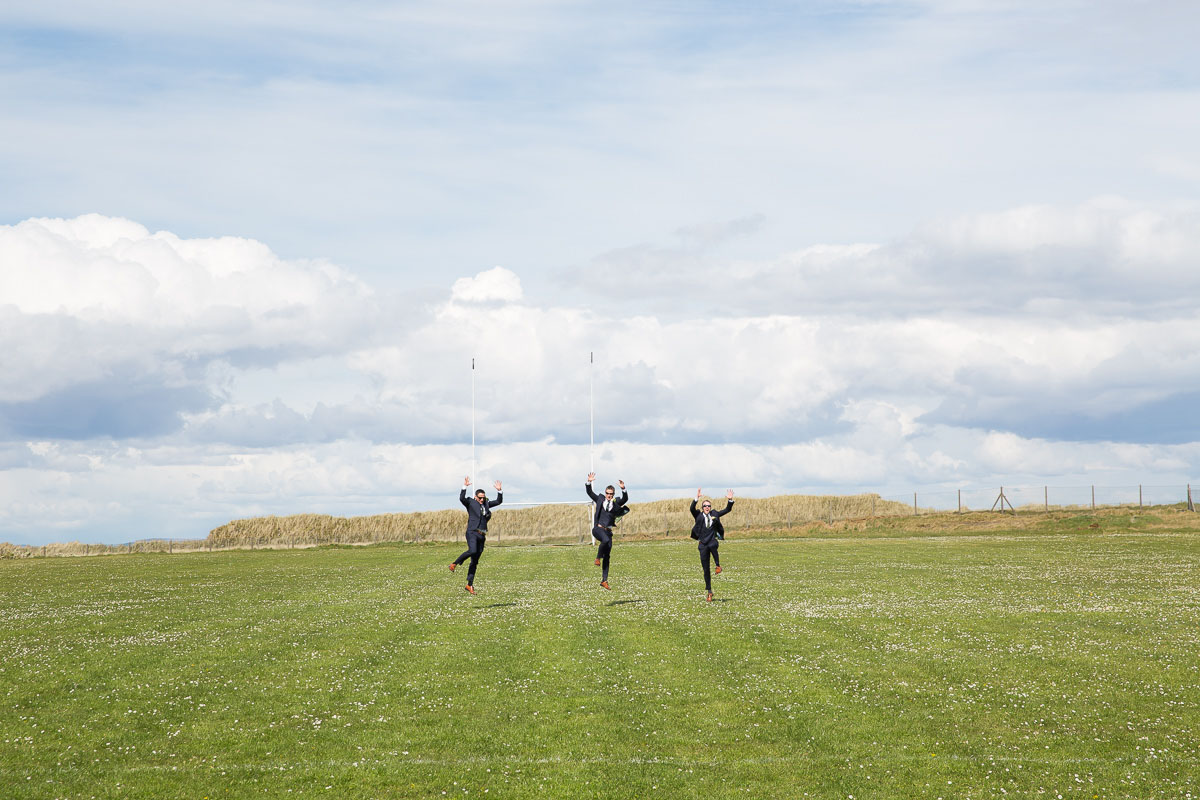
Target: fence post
(1139, 495)
(86, 548)
(960, 501)
(1093, 497)
(1190, 506)
(872, 506)
(1046, 499)
(914, 504)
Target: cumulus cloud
(112, 328)
(496, 285)
(214, 291)
(1104, 256)
(197, 386)
(781, 378)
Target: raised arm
(462, 495)
(588, 486)
(728, 504)
(624, 494)
(499, 496)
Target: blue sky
(246, 250)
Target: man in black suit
(479, 511)
(708, 531)
(608, 509)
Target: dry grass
(546, 523)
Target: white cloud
(1106, 255)
(175, 423)
(496, 285)
(96, 299)
(104, 269)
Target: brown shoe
(709, 598)
(452, 566)
(597, 562)
(471, 589)
(718, 570)
(604, 585)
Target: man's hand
(621, 484)
(729, 494)
(698, 493)
(497, 485)
(591, 477)
(467, 481)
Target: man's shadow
(497, 605)
(623, 602)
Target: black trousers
(475, 543)
(707, 550)
(605, 549)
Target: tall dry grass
(545, 523)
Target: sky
(248, 251)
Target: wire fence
(1044, 498)
(571, 522)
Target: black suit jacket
(704, 533)
(477, 514)
(602, 518)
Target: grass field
(932, 666)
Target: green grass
(1060, 664)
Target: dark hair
(480, 492)
(610, 488)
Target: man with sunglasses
(608, 509)
(479, 511)
(708, 531)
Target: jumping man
(479, 511)
(607, 511)
(709, 531)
